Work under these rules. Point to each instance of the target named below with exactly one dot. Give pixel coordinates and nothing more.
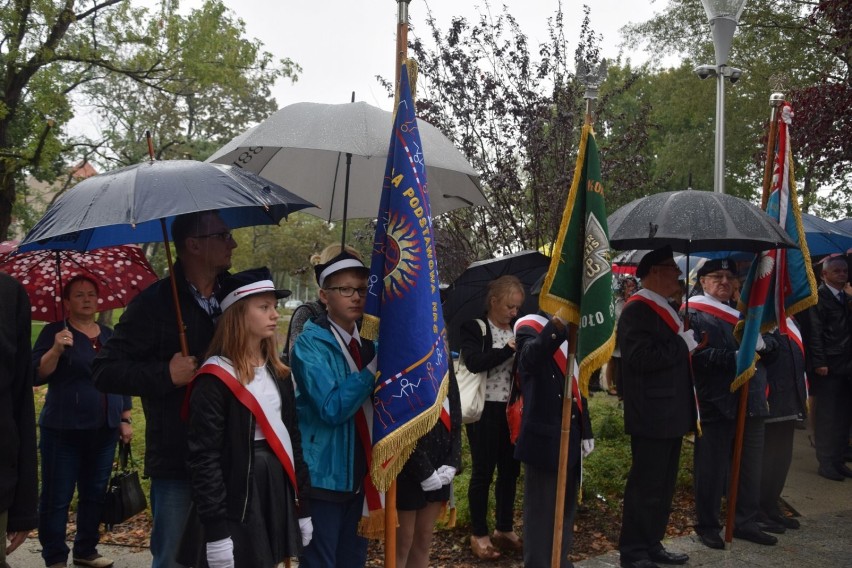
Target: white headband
(243, 291)
(341, 264)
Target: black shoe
(663, 556)
(771, 526)
(644, 563)
(829, 472)
(785, 521)
(844, 470)
(755, 535)
(711, 540)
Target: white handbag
(471, 387)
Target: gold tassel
(369, 327)
(373, 526)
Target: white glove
(306, 526)
(220, 553)
(761, 344)
(689, 338)
(588, 447)
(432, 482)
(446, 473)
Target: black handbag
(124, 495)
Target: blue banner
(403, 304)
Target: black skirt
(270, 533)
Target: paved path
(823, 541)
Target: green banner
(578, 285)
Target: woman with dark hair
(79, 428)
(489, 345)
(249, 482)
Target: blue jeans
(69, 459)
(170, 501)
(335, 541)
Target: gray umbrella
(693, 221)
(303, 147)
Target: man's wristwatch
(127, 421)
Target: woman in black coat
(488, 344)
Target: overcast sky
(343, 44)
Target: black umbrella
(466, 295)
(692, 221)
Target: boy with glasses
(335, 370)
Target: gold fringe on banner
(391, 453)
(552, 304)
(373, 526)
(369, 327)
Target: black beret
(717, 264)
(654, 257)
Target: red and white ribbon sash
(660, 306)
(715, 308)
(560, 356)
(374, 500)
(273, 429)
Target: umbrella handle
(184, 347)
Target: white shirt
(264, 390)
(499, 381)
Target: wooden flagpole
(565, 437)
(390, 496)
(775, 101)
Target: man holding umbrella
(144, 358)
(658, 409)
(715, 365)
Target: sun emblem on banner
(403, 255)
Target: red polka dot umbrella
(121, 272)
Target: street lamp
(723, 16)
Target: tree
(516, 117)
(196, 80)
(807, 44)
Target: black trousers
(539, 511)
(712, 461)
(777, 457)
(648, 496)
(832, 416)
(490, 448)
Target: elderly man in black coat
(659, 409)
(715, 366)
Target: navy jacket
(73, 402)
(543, 384)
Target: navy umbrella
(136, 205)
(131, 204)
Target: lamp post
(723, 16)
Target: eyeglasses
(720, 277)
(347, 291)
(224, 235)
